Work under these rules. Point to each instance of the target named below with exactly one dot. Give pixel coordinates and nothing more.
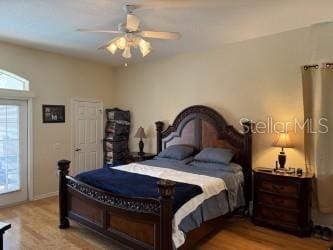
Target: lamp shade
(140, 133)
(112, 48)
(282, 140)
(145, 47)
(127, 52)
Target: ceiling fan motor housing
(129, 8)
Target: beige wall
(252, 79)
(55, 79)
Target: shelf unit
(117, 130)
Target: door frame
(72, 146)
(27, 96)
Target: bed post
(166, 189)
(247, 126)
(63, 167)
(159, 128)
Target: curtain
(318, 132)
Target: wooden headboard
(203, 127)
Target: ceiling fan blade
(180, 4)
(104, 46)
(100, 31)
(107, 44)
(161, 35)
(132, 22)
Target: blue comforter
(136, 185)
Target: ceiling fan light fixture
(121, 42)
(145, 47)
(127, 52)
(131, 35)
(112, 48)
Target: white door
(13, 152)
(87, 129)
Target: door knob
(78, 149)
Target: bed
(158, 202)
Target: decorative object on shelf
(293, 170)
(132, 35)
(285, 170)
(282, 141)
(140, 133)
(116, 136)
(299, 171)
(53, 113)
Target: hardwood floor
(34, 226)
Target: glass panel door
(13, 152)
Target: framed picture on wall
(53, 113)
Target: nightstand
(283, 201)
(135, 157)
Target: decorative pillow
(231, 167)
(177, 152)
(217, 155)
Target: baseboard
(43, 196)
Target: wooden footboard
(137, 222)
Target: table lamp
(140, 134)
(282, 141)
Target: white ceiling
(51, 24)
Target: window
(11, 81)
(9, 148)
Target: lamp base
(282, 159)
(141, 145)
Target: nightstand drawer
(276, 215)
(277, 201)
(280, 187)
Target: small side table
(136, 157)
(3, 228)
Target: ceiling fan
(132, 35)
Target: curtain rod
(316, 66)
(311, 66)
